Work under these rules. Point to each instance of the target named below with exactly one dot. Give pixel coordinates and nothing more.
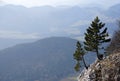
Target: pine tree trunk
(84, 62)
(97, 53)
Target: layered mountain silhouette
(49, 59)
(18, 22)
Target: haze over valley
(19, 24)
(38, 38)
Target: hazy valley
(37, 44)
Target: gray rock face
(107, 69)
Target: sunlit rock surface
(107, 69)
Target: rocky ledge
(107, 69)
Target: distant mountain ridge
(25, 24)
(49, 59)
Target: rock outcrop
(107, 69)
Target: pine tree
(79, 56)
(95, 36)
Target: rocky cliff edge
(107, 69)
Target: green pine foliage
(79, 52)
(77, 66)
(96, 35)
(79, 56)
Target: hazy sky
(30, 3)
